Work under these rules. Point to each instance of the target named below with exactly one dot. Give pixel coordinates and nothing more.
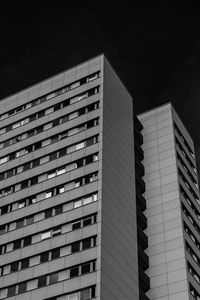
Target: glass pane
(73, 297)
(46, 235)
(85, 295)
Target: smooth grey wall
(119, 270)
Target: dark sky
(154, 46)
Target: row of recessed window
(31, 200)
(190, 202)
(34, 147)
(31, 164)
(50, 95)
(48, 213)
(52, 173)
(47, 256)
(46, 142)
(48, 279)
(38, 129)
(187, 170)
(192, 253)
(52, 232)
(187, 185)
(50, 110)
(185, 154)
(184, 140)
(193, 273)
(190, 218)
(43, 143)
(192, 237)
(64, 188)
(193, 292)
(84, 294)
(56, 122)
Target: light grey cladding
(119, 270)
(167, 271)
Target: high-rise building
(173, 206)
(95, 203)
(68, 214)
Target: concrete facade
(95, 204)
(64, 234)
(166, 154)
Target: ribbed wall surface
(167, 270)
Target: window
(48, 213)
(55, 254)
(74, 272)
(61, 190)
(51, 174)
(46, 235)
(76, 225)
(53, 278)
(6, 270)
(87, 222)
(37, 162)
(46, 142)
(57, 106)
(27, 241)
(58, 209)
(47, 126)
(85, 294)
(30, 220)
(56, 231)
(48, 194)
(35, 260)
(62, 152)
(75, 247)
(11, 291)
(14, 267)
(21, 204)
(16, 125)
(17, 244)
(4, 210)
(73, 115)
(92, 77)
(60, 171)
(77, 203)
(49, 110)
(65, 251)
(86, 244)
(10, 173)
(95, 197)
(44, 257)
(24, 184)
(42, 177)
(53, 156)
(19, 224)
(72, 297)
(85, 269)
(26, 166)
(42, 281)
(22, 287)
(3, 160)
(87, 200)
(24, 263)
(2, 229)
(44, 159)
(32, 284)
(52, 95)
(75, 85)
(79, 146)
